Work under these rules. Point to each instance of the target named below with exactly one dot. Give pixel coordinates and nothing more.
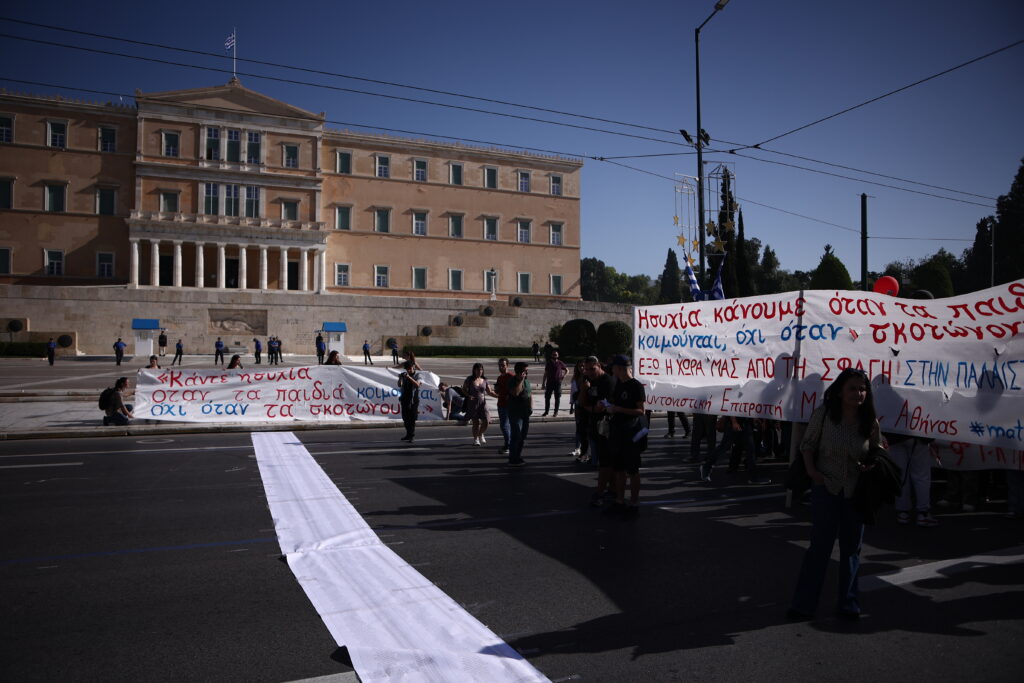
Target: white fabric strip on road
(942, 568)
(395, 623)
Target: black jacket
(877, 486)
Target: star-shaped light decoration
(720, 245)
(690, 260)
(675, 220)
(696, 244)
(681, 241)
(710, 227)
(727, 226)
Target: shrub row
(26, 349)
(472, 351)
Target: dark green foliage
(727, 233)
(744, 278)
(614, 337)
(599, 282)
(670, 280)
(23, 349)
(471, 351)
(578, 338)
(554, 333)
(933, 275)
(830, 273)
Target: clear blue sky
(767, 67)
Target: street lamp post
(701, 136)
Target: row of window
(382, 279)
(55, 197)
(57, 134)
(382, 222)
(53, 262)
(456, 173)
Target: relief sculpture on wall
(238, 321)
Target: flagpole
(234, 53)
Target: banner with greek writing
(949, 369)
(326, 393)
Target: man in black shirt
(627, 432)
(599, 388)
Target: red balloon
(887, 284)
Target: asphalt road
(156, 559)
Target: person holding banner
(841, 432)
(409, 384)
(626, 433)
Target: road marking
(942, 568)
(44, 464)
(394, 622)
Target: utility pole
(864, 242)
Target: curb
(226, 428)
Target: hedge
(471, 351)
(26, 349)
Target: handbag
(604, 426)
(797, 479)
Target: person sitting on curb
(117, 413)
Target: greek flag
(229, 42)
(695, 292)
(717, 293)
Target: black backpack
(106, 398)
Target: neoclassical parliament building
(226, 198)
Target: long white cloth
(396, 625)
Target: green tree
(554, 333)
(769, 280)
(933, 275)
(1009, 231)
(830, 273)
(614, 337)
(727, 234)
(977, 263)
(578, 338)
(746, 282)
(671, 277)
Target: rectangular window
(6, 129)
(382, 220)
(108, 139)
(55, 197)
(420, 170)
(106, 201)
(524, 232)
(343, 218)
(290, 211)
(253, 154)
(232, 199)
(524, 283)
(252, 201)
(104, 264)
(491, 178)
(455, 280)
(556, 185)
(419, 223)
(5, 261)
(455, 226)
(524, 181)
(491, 229)
(213, 144)
(211, 203)
(6, 194)
(419, 278)
(383, 167)
(57, 134)
(54, 262)
(556, 234)
(380, 276)
(341, 274)
(291, 156)
(345, 163)
(556, 284)
(169, 202)
(455, 174)
(170, 144)
(234, 151)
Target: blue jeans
(118, 419)
(503, 424)
(831, 517)
(519, 428)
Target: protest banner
(940, 368)
(324, 393)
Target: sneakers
(482, 440)
(705, 473)
(903, 517)
(925, 519)
(476, 441)
(503, 450)
(575, 453)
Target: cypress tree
(670, 280)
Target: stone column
(263, 267)
(200, 266)
(177, 263)
(316, 271)
(304, 270)
(243, 268)
(134, 266)
(221, 265)
(322, 260)
(283, 285)
(154, 263)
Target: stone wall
(97, 316)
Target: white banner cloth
(325, 393)
(396, 625)
(948, 369)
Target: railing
(243, 221)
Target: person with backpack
(119, 347)
(218, 352)
(113, 406)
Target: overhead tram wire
(891, 92)
(339, 75)
(340, 89)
